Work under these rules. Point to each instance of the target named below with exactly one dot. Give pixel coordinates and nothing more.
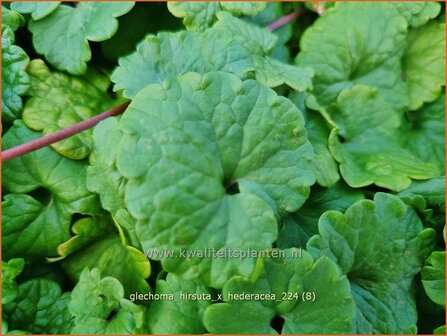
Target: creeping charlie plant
(223, 167)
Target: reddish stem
(60, 135)
(285, 19)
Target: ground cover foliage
(320, 143)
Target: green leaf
(103, 176)
(40, 307)
(318, 130)
(15, 81)
(332, 311)
(112, 257)
(417, 13)
(439, 330)
(298, 227)
(380, 270)
(432, 191)
(387, 307)
(231, 45)
(241, 135)
(99, 307)
(58, 101)
(367, 143)
(326, 168)
(424, 63)
(424, 134)
(34, 225)
(11, 19)
(256, 44)
(63, 35)
(433, 277)
(85, 231)
(249, 8)
(199, 16)
(358, 235)
(352, 44)
(272, 12)
(10, 270)
(428, 198)
(38, 10)
(179, 315)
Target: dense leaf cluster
(316, 148)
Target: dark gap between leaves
(77, 216)
(232, 188)
(112, 315)
(277, 323)
(42, 195)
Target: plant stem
(60, 135)
(285, 19)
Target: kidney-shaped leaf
(210, 160)
(381, 245)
